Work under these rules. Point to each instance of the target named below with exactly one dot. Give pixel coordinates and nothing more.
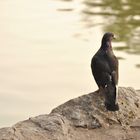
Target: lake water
(46, 47)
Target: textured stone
(83, 118)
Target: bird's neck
(106, 45)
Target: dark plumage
(104, 67)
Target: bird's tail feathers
(110, 98)
(117, 92)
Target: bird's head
(106, 40)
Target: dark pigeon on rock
(104, 67)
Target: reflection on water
(121, 17)
(46, 48)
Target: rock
(83, 118)
(135, 124)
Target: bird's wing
(101, 71)
(115, 73)
(105, 77)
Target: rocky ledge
(83, 118)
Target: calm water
(46, 47)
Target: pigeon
(104, 66)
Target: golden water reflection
(121, 17)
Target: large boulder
(83, 118)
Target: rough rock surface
(83, 118)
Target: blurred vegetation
(121, 17)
